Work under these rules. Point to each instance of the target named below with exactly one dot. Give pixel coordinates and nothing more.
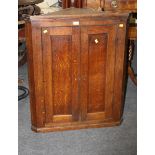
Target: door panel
(97, 71)
(61, 73)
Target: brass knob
(114, 4)
(45, 31)
(96, 41)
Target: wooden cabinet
(77, 68)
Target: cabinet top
(80, 13)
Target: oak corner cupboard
(77, 69)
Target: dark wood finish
(130, 57)
(123, 5)
(61, 50)
(106, 5)
(35, 72)
(77, 69)
(97, 71)
(120, 73)
(132, 33)
(72, 3)
(132, 37)
(120, 6)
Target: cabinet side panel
(28, 33)
(61, 59)
(120, 73)
(97, 72)
(110, 70)
(38, 75)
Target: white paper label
(76, 23)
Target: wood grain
(120, 73)
(97, 69)
(76, 72)
(97, 72)
(61, 73)
(35, 72)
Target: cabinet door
(61, 74)
(97, 72)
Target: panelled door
(61, 56)
(97, 72)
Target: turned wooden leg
(130, 69)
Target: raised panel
(60, 57)
(97, 48)
(61, 73)
(97, 71)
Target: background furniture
(132, 37)
(129, 6)
(77, 68)
(120, 5)
(123, 5)
(26, 8)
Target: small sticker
(121, 25)
(76, 23)
(96, 41)
(45, 31)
